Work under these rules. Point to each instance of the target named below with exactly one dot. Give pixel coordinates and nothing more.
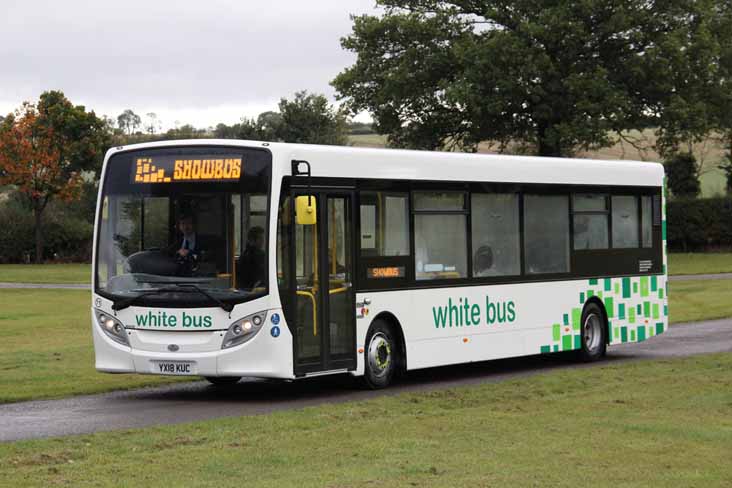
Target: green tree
(310, 119)
(186, 131)
(246, 129)
(555, 75)
(128, 121)
(682, 175)
(269, 125)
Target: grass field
(45, 273)
(661, 423)
(699, 263)
(690, 301)
(46, 347)
(709, 152)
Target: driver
(189, 247)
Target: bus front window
(160, 242)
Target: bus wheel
(223, 380)
(593, 333)
(380, 356)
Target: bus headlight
(112, 327)
(243, 330)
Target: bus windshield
(184, 227)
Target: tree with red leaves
(44, 150)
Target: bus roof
(401, 164)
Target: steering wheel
(187, 265)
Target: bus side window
(546, 233)
(384, 224)
(495, 230)
(440, 235)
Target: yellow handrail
(337, 290)
(315, 315)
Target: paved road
(198, 400)
(712, 276)
(42, 286)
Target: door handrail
(315, 314)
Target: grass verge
(46, 347)
(660, 423)
(690, 301)
(45, 273)
(699, 263)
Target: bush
(683, 178)
(699, 225)
(67, 237)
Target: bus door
(325, 322)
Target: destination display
(171, 169)
(385, 272)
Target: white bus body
(460, 257)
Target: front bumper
(264, 356)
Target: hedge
(703, 224)
(66, 238)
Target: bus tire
(593, 343)
(222, 380)
(381, 355)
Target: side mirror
(305, 210)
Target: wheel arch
(396, 326)
(601, 305)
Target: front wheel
(223, 380)
(593, 334)
(381, 356)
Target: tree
(269, 124)
(152, 125)
(186, 131)
(310, 119)
(246, 129)
(129, 121)
(682, 176)
(45, 148)
(559, 76)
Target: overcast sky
(191, 61)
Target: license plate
(174, 368)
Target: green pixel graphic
(633, 316)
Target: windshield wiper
(179, 287)
(126, 302)
(228, 307)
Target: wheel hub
(379, 354)
(592, 332)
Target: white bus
(224, 259)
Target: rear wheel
(593, 331)
(381, 355)
(223, 380)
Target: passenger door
(324, 303)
